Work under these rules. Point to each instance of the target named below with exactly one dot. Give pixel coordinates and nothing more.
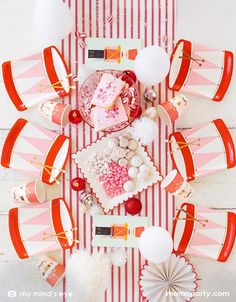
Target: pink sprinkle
(110, 19)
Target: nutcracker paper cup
(55, 112)
(50, 270)
(175, 184)
(202, 150)
(41, 228)
(29, 192)
(204, 232)
(171, 110)
(35, 151)
(200, 70)
(42, 76)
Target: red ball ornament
(133, 206)
(130, 74)
(77, 184)
(75, 117)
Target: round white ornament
(155, 244)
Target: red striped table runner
(154, 22)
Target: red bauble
(133, 206)
(77, 184)
(130, 74)
(75, 116)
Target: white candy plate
(107, 202)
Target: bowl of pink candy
(109, 100)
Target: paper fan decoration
(174, 280)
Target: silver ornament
(149, 95)
(86, 199)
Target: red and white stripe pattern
(150, 20)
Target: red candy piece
(130, 74)
(75, 116)
(77, 184)
(133, 206)
(124, 77)
(135, 114)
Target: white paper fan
(172, 281)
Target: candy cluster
(118, 167)
(98, 164)
(115, 180)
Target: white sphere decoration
(52, 20)
(155, 244)
(151, 65)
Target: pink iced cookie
(103, 118)
(107, 91)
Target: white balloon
(155, 244)
(151, 65)
(52, 20)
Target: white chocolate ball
(114, 157)
(142, 176)
(107, 151)
(133, 172)
(130, 154)
(124, 142)
(123, 162)
(136, 161)
(129, 186)
(119, 152)
(127, 135)
(144, 168)
(132, 144)
(112, 142)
